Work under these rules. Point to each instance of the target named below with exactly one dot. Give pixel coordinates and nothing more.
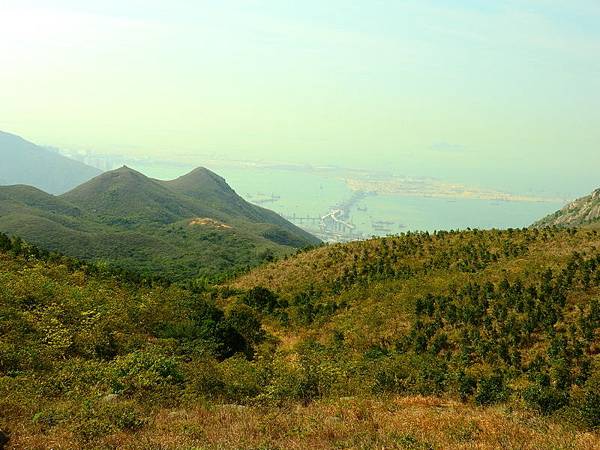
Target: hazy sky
(500, 88)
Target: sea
(296, 193)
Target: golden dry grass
(351, 423)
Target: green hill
(485, 316)
(211, 190)
(448, 340)
(584, 212)
(193, 226)
(27, 198)
(124, 196)
(368, 290)
(26, 163)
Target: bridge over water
(336, 221)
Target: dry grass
(351, 423)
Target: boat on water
(261, 199)
(382, 223)
(381, 229)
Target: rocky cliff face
(581, 212)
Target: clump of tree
(515, 331)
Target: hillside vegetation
(583, 212)
(447, 340)
(26, 163)
(186, 228)
(487, 317)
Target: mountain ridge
(24, 162)
(133, 220)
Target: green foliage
(409, 374)
(545, 398)
(491, 390)
(246, 321)
(510, 317)
(145, 370)
(181, 229)
(262, 299)
(589, 405)
(95, 419)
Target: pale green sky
(421, 86)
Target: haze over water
(312, 193)
(494, 95)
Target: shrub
(205, 380)
(491, 390)
(590, 403)
(205, 330)
(262, 299)
(544, 398)
(146, 371)
(246, 322)
(241, 379)
(97, 419)
(408, 373)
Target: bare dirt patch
(208, 222)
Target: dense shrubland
(507, 318)
(485, 317)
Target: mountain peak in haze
(26, 163)
(201, 184)
(110, 181)
(126, 194)
(201, 181)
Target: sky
(505, 93)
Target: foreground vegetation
(398, 422)
(445, 340)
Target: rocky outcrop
(581, 212)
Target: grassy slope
(69, 338)
(394, 423)
(133, 221)
(490, 317)
(379, 310)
